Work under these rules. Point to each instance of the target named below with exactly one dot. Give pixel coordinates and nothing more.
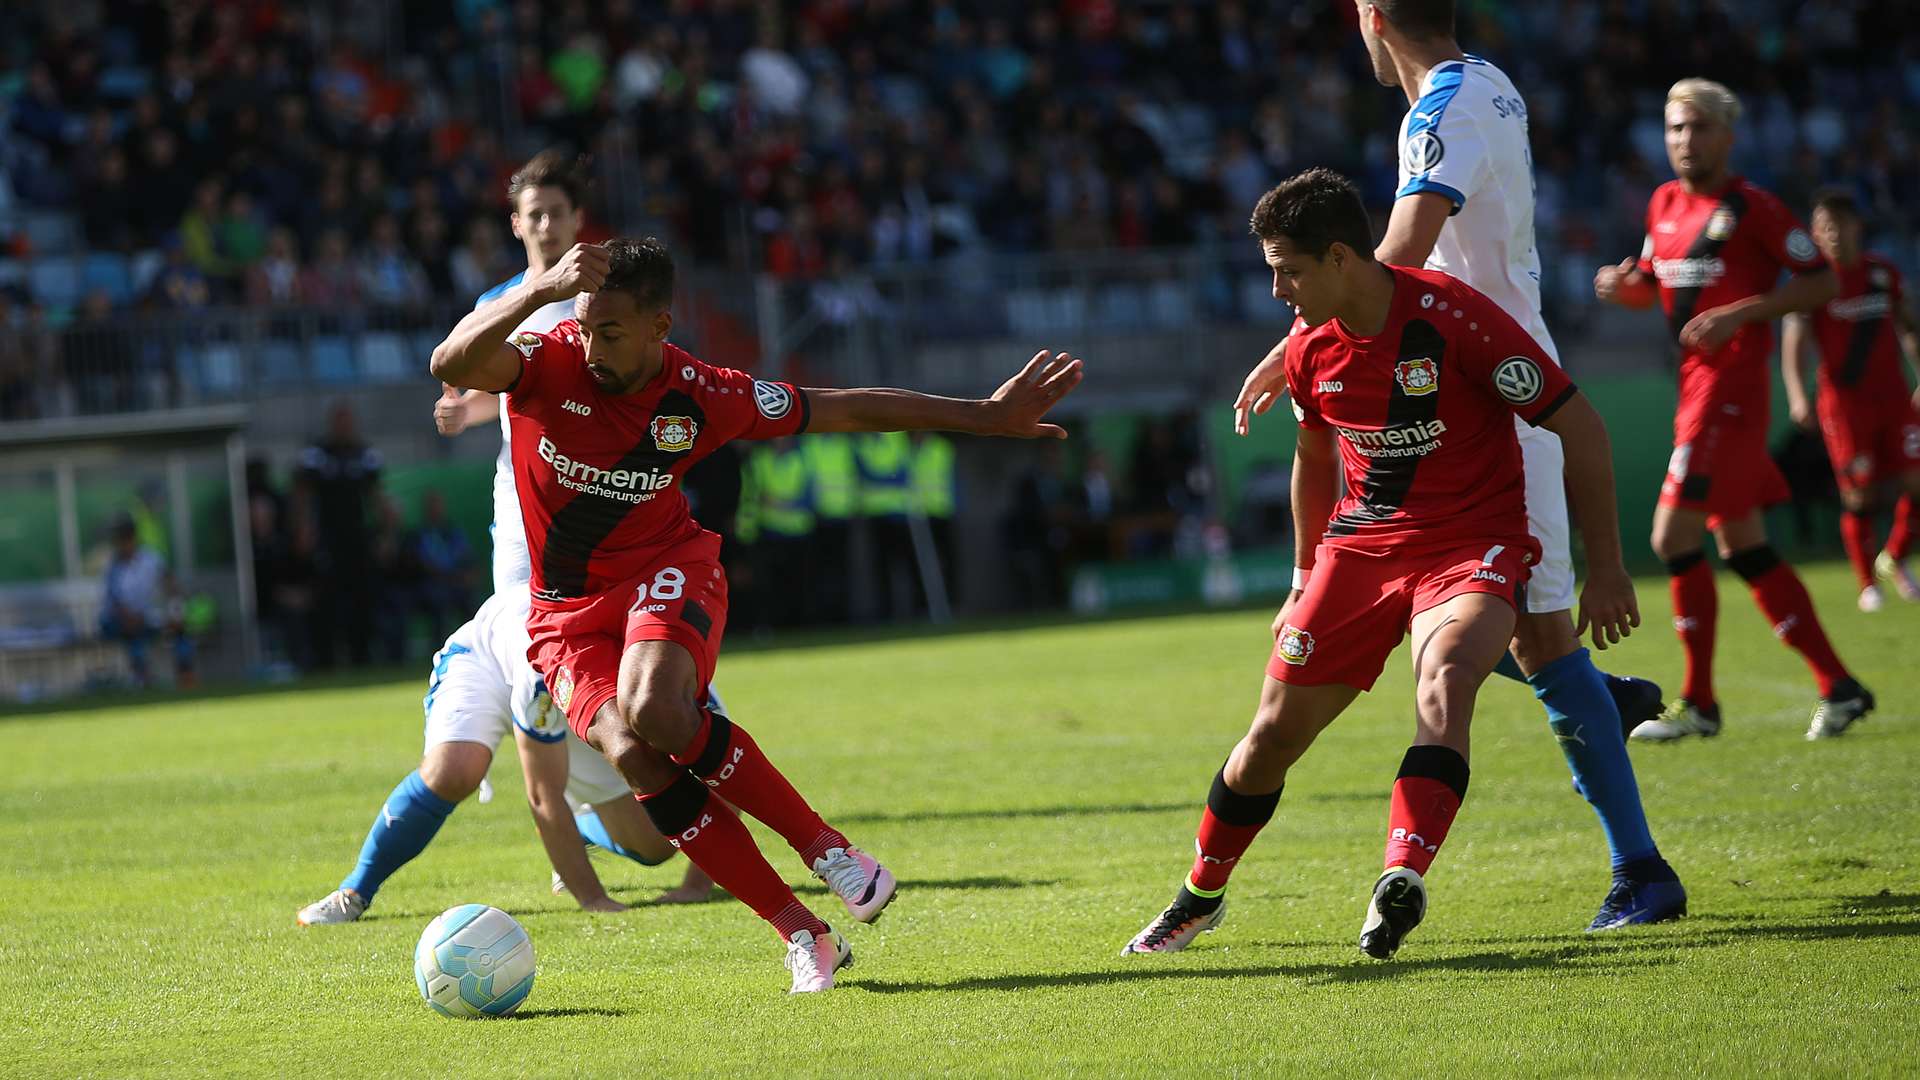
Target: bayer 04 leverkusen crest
(1417, 377)
(674, 433)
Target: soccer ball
(474, 961)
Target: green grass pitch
(1036, 790)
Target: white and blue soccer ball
(474, 961)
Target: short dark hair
(551, 168)
(642, 269)
(1838, 201)
(1421, 20)
(1313, 211)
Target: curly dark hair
(1314, 210)
(641, 268)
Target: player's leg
(687, 607)
(1550, 586)
(1582, 716)
(1850, 449)
(1901, 452)
(1679, 539)
(626, 830)
(1784, 600)
(467, 710)
(1243, 798)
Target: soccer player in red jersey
(1715, 247)
(1417, 377)
(629, 598)
(1870, 419)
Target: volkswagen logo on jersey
(1721, 224)
(1417, 377)
(1519, 380)
(774, 400)
(674, 433)
(1295, 644)
(1423, 152)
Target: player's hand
(605, 904)
(686, 894)
(1712, 328)
(582, 269)
(1261, 389)
(1608, 604)
(450, 411)
(1609, 279)
(1286, 609)
(1015, 409)
(1802, 414)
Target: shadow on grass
(907, 817)
(1359, 971)
(543, 1014)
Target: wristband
(1300, 578)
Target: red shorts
(1358, 605)
(1722, 468)
(1870, 443)
(577, 644)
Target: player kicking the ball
(1465, 207)
(1417, 377)
(1716, 246)
(629, 598)
(1870, 419)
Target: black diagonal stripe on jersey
(1388, 479)
(1866, 333)
(584, 523)
(1685, 301)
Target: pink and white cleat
(813, 960)
(858, 880)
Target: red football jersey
(598, 474)
(1714, 249)
(1424, 413)
(1859, 351)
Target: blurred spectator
(332, 281)
(443, 561)
(389, 274)
(141, 604)
(341, 475)
(274, 280)
(482, 261)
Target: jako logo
(1484, 574)
(576, 407)
(1403, 836)
(1327, 387)
(692, 833)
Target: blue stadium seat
(51, 232)
(278, 363)
(384, 356)
(213, 371)
(330, 359)
(55, 282)
(109, 271)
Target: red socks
(1227, 827)
(694, 820)
(724, 756)
(1426, 796)
(1856, 531)
(1784, 601)
(1696, 610)
(1901, 538)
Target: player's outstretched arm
(476, 355)
(1414, 228)
(1607, 602)
(1015, 411)
(1803, 292)
(544, 765)
(1625, 285)
(1262, 387)
(1795, 343)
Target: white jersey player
(1465, 206)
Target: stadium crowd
(328, 154)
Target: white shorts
(1551, 586)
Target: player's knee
(1539, 640)
(454, 770)
(1858, 501)
(1446, 691)
(663, 716)
(637, 762)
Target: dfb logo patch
(774, 400)
(674, 433)
(1295, 645)
(1518, 379)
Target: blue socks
(1586, 722)
(405, 825)
(1510, 668)
(594, 831)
